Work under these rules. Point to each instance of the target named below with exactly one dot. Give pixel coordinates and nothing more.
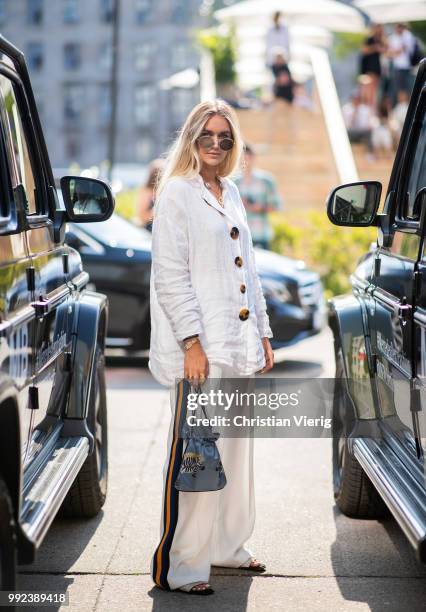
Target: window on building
(71, 11)
(74, 101)
(72, 56)
(180, 56)
(144, 149)
(182, 101)
(144, 56)
(72, 148)
(105, 56)
(16, 142)
(34, 56)
(2, 12)
(144, 104)
(182, 11)
(35, 11)
(105, 104)
(107, 10)
(144, 9)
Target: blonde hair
(183, 158)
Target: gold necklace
(219, 197)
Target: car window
(405, 245)
(16, 143)
(417, 175)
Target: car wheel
(7, 541)
(354, 493)
(88, 492)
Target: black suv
(52, 333)
(379, 332)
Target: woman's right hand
(196, 364)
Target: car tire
(354, 493)
(7, 541)
(88, 492)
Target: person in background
(398, 115)
(401, 46)
(381, 135)
(146, 197)
(260, 196)
(283, 86)
(302, 99)
(277, 36)
(359, 120)
(371, 52)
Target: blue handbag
(201, 468)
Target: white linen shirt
(196, 286)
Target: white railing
(330, 104)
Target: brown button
(242, 288)
(244, 314)
(238, 261)
(235, 232)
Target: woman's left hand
(269, 356)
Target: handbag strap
(198, 390)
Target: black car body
(380, 343)
(117, 256)
(52, 336)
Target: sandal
(191, 588)
(254, 566)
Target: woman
(146, 195)
(208, 319)
(371, 52)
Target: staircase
(376, 170)
(292, 143)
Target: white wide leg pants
(199, 530)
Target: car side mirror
(354, 204)
(86, 199)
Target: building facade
(68, 45)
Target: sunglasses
(207, 142)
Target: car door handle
(404, 312)
(43, 306)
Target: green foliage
(222, 48)
(125, 203)
(419, 29)
(287, 238)
(331, 250)
(335, 250)
(346, 43)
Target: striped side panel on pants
(161, 561)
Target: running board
(48, 490)
(405, 497)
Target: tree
(221, 45)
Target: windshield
(117, 232)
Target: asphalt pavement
(317, 559)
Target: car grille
(311, 294)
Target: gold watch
(187, 345)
